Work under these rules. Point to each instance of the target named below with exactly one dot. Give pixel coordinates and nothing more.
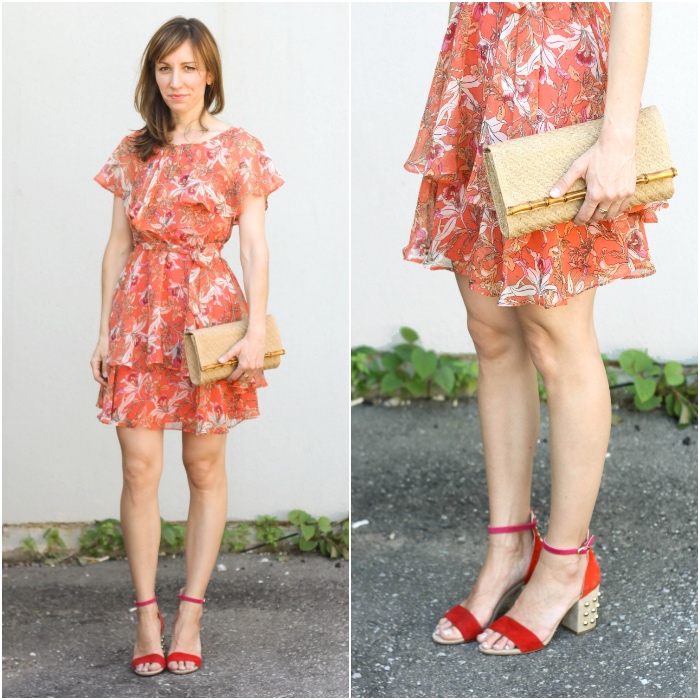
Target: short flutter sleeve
(114, 175)
(253, 172)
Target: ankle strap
(581, 550)
(190, 600)
(514, 528)
(144, 602)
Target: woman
(508, 70)
(180, 184)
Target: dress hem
(529, 300)
(174, 426)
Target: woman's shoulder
(241, 138)
(127, 146)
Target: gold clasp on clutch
(234, 360)
(642, 179)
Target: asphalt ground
(270, 629)
(418, 479)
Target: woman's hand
(97, 362)
(250, 351)
(609, 169)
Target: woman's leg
(564, 348)
(204, 457)
(509, 413)
(142, 465)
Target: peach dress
(182, 204)
(508, 70)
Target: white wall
(394, 51)
(69, 72)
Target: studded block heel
(151, 658)
(581, 617)
(467, 625)
(181, 655)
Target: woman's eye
(162, 68)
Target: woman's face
(181, 84)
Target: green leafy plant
(30, 547)
(331, 538)
(106, 539)
(172, 537)
(54, 544)
(237, 538)
(268, 531)
(673, 386)
(410, 370)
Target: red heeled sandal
(151, 658)
(462, 619)
(181, 655)
(581, 617)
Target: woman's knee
(205, 472)
(558, 350)
(141, 472)
(542, 348)
(492, 340)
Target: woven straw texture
(525, 169)
(205, 346)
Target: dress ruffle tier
(508, 70)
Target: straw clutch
(522, 172)
(204, 347)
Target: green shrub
(331, 539)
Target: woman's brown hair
(148, 100)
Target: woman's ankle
(511, 542)
(563, 566)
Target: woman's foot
(552, 589)
(148, 635)
(506, 564)
(186, 635)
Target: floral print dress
(508, 70)
(182, 203)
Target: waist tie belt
(202, 254)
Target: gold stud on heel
(583, 615)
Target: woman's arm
(250, 351)
(609, 165)
(119, 246)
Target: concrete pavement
(418, 478)
(270, 629)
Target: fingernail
(554, 193)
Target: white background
(69, 73)
(394, 51)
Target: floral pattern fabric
(182, 203)
(508, 70)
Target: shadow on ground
(270, 629)
(418, 478)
